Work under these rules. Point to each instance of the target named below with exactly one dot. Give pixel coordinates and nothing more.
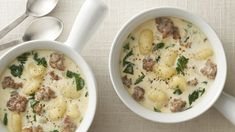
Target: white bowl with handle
(90, 16)
(225, 104)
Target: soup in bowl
(167, 65)
(43, 90)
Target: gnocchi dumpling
(73, 111)
(159, 97)
(69, 90)
(164, 71)
(31, 86)
(36, 70)
(178, 82)
(56, 109)
(203, 54)
(15, 122)
(169, 58)
(145, 41)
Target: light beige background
(112, 115)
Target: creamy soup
(42, 91)
(167, 64)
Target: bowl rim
(166, 117)
(11, 54)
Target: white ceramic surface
(90, 11)
(210, 96)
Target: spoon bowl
(46, 28)
(40, 8)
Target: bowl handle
(89, 18)
(226, 105)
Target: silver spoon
(36, 8)
(45, 28)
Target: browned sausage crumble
(148, 64)
(167, 28)
(126, 81)
(33, 129)
(45, 94)
(177, 105)
(193, 82)
(138, 94)
(57, 61)
(54, 76)
(17, 103)
(8, 82)
(38, 108)
(68, 125)
(209, 70)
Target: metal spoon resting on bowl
(36, 8)
(46, 28)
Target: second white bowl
(210, 96)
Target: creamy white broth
(153, 82)
(60, 88)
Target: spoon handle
(12, 25)
(10, 44)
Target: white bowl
(90, 16)
(9, 56)
(210, 96)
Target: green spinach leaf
(140, 79)
(201, 91)
(177, 91)
(158, 58)
(129, 69)
(169, 46)
(188, 108)
(156, 110)
(40, 61)
(132, 37)
(34, 118)
(125, 62)
(16, 71)
(186, 39)
(86, 94)
(5, 119)
(158, 46)
(181, 64)
(126, 46)
(54, 131)
(195, 95)
(23, 57)
(33, 102)
(80, 83)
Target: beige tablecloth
(112, 115)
